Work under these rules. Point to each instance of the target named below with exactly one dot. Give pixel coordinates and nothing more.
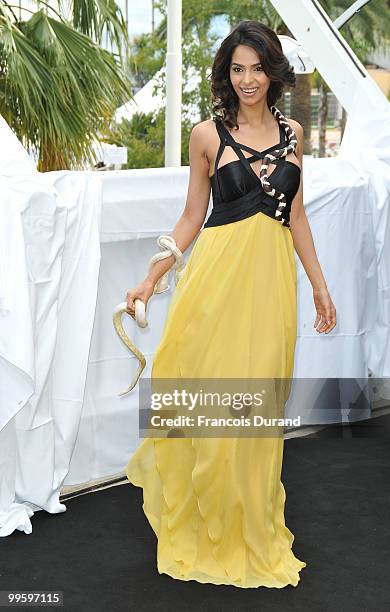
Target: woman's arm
(304, 246)
(198, 195)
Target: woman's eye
(237, 69)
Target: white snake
(169, 246)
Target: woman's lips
(249, 94)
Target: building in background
(380, 69)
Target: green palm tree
(59, 87)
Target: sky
(140, 17)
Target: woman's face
(246, 73)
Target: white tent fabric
(50, 229)
(45, 338)
(366, 145)
(61, 363)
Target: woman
(217, 504)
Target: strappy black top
(236, 188)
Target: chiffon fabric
(216, 505)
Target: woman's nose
(246, 79)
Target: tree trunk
(51, 159)
(343, 122)
(322, 118)
(301, 107)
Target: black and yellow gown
(216, 505)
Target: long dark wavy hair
(276, 66)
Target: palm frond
(58, 88)
(99, 18)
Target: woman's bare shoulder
(203, 135)
(203, 130)
(298, 129)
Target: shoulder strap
(219, 126)
(222, 139)
(228, 139)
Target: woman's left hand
(326, 312)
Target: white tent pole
(334, 59)
(350, 12)
(173, 85)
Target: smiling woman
(259, 66)
(216, 504)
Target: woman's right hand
(143, 291)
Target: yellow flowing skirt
(216, 505)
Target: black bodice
(236, 188)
